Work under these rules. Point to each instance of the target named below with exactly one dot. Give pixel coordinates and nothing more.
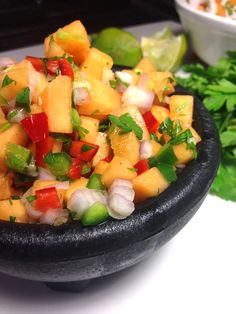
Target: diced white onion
(44, 174)
(32, 169)
(145, 149)
(143, 80)
(50, 216)
(138, 97)
(124, 191)
(82, 199)
(120, 207)
(31, 211)
(80, 95)
(121, 182)
(20, 115)
(124, 80)
(6, 62)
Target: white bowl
(210, 35)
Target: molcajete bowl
(67, 256)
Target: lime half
(165, 50)
(122, 46)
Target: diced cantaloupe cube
(102, 99)
(75, 185)
(95, 62)
(136, 115)
(104, 148)
(183, 154)
(101, 167)
(160, 113)
(145, 65)
(125, 145)
(2, 117)
(149, 183)
(5, 186)
(51, 48)
(181, 108)
(23, 74)
(92, 126)
(155, 147)
(56, 103)
(15, 134)
(74, 40)
(118, 168)
(13, 210)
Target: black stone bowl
(67, 256)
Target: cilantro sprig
(126, 124)
(216, 87)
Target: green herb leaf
(7, 81)
(5, 127)
(76, 124)
(127, 124)
(31, 198)
(165, 161)
(23, 99)
(113, 84)
(86, 148)
(12, 218)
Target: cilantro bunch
(216, 87)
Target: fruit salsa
(80, 141)
(225, 8)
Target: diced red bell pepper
(37, 63)
(108, 158)
(52, 66)
(66, 68)
(151, 122)
(76, 168)
(141, 166)
(86, 151)
(36, 126)
(46, 199)
(42, 149)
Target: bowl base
(70, 286)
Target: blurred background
(27, 22)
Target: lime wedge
(122, 46)
(165, 50)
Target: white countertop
(194, 273)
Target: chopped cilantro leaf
(23, 99)
(7, 81)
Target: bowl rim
(205, 15)
(72, 241)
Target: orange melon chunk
(102, 99)
(15, 209)
(118, 168)
(148, 184)
(74, 40)
(56, 103)
(95, 62)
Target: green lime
(165, 50)
(122, 46)
(165, 33)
